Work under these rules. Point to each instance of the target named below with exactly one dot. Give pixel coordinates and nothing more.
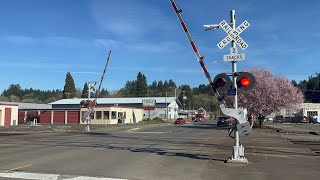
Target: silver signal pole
(238, 151)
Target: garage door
(73, 117)
(45, 117)
(31, 115)
(21, 117)
(7, 117)
(58, 117)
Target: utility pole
(184, 100)
(67, 94)
(166, 106)
(90, 84)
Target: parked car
(223, 121)
(195, 119)
(279, 119)
(305, 119)
(314, 119)
(180, 121)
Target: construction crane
(92, 104)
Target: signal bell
(222, 82)
(245, 81)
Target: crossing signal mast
(92, 104)
(241, 80)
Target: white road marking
(40, 176)
(134, 129)
(25, 175)
(148, 132)
(92, 178)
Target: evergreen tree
(141, 85)
(186, 91)
(104, 93)
(172, 84)
(166, 86)
(14, 89)
(152, 89)
(69, 87)
(85, 91)
(129, 89)
(160, 90)
(171, 88)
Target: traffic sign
(233, 34)
(232, 92)
(234, 57)
(148, 102)
(234, 50)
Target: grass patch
(152, 121)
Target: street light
(211, 26)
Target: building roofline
(4, 104)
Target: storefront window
(312, 113)
(106, 114)
(98, 115)
(113, 114)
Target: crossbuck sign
(233, 34)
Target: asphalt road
(191, 151)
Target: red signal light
(221, 82)
(89, 103)
(245, 81)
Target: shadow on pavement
(202, 126)
(117, 145)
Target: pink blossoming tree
(270, 94)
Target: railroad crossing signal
(233, 34)
(234, 56)
(222, 82)
(245, 81)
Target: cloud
(19, 39)
(157, 47)
(71, 42)
(135, 18)
(190, 71)
(22, 63)
(60, 41)
(142, 69)
(107, 43)
(316, 35)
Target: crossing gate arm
(195, 49)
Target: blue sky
(41, 40)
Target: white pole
(238, 151)
(234, 77)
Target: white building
(306, 109)
(165, 107)
(8, 114)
